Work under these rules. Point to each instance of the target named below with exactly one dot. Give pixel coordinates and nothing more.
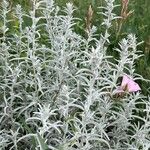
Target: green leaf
(43, 145)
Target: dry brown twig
(88, 19)
(124, 15)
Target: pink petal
(125, 80)
(131, 85)
(118, 90)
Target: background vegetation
(137, 23)
(59, 89)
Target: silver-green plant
(57, 87)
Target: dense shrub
(57, 88)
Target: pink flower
(127, 85)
